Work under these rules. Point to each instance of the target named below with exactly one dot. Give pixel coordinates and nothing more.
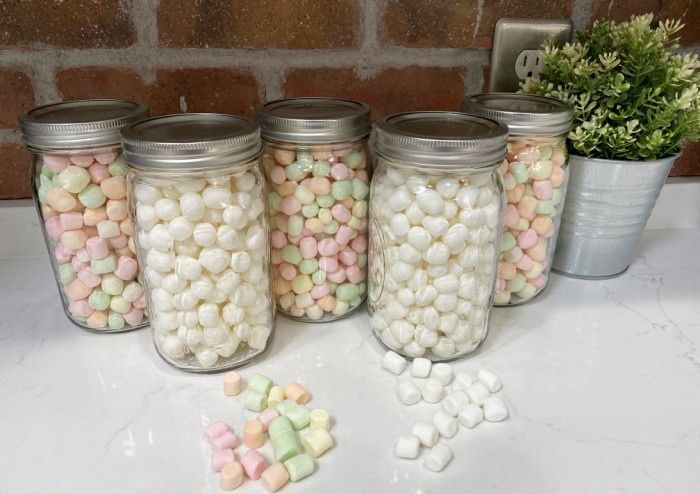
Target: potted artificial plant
(635, 104)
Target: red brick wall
(231, 55)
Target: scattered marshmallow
(442, 373)
(445, 423)
(393, 362)
(407, 446)
(495, 409)
(426, 432)
(437, 458)
(421, 366)
(477, 393)
(490, 380)
(471, 415)
(454, 402)
(408, 392)
(432, 391)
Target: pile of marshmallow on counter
(462, 400)
(282, 414)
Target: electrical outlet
(516, 45)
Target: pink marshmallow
(354, 274)
(227, 440)
(344, 234)
(98, 172)
(277, 175)
(320, 291)
(306, 182)
(339, 153)
(347, 256)
(53, 227)
(290, 205)
(267, 417)
(71, 220)
(97, 248)
(221, 458)
(118, 242)
(338, 276)
(80, 308)
(276, 256)
(278, 239)
(126, 268)
(328, 247)
(253, 464)
(339, 171)
(134, 316)
(543, 189)
(308, 247)
(524, 263)
(527, 238)
(89, 278)
(538, 281)
(83, 161)
(281, 222)
(105, 158)
(511, 215)
(328, 264)
(61, 255)
(78, 264)
(294, 239)
(140, 303)
(359, 244)
(341, 213)
(549, 232)
(500, 284)
(56, 163)
(212, 431)
(287, 271)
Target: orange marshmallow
(515, 194)
(97, 319)
(538, 252)
(253, 434)
(297, 392)
(327, 303)
(61, 200)
(74, 239)
(92, 217)
(526, 206)
(77, 290)
(232, 383)
(117, 209)
(506, 270)
(541, 224)
(287, 189)
(231, 476)
(274, 477)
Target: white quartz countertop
(602, 379)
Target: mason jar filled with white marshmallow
(197, 197)
(534, 177)
(436, 202)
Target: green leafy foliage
(633, 97)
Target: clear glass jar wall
(434, 232)
(318, 204)
(203, 240)
(80, 195)
(534, 176)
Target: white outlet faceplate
(516, 44)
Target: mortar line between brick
(10, 136)
(371, 10)
(581, 14)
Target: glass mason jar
(534, 176)
(197, 195)
(436, 205)
(317, 164)
(79, 188)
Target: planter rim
(624, 161)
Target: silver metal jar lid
(193, 141)
(442, 139)
(79, 123)
(314, 120)
(522, 113)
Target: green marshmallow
(42, 194)
(66, 273)
(104, 265)
(325, 216)
(310, 210)
(556, 196)
(507, 241)
(73, 179)
(516, 284)
(519, 172)
(325, 201)
(298, 416)
(120, 304)
(118, 168)
(544, 207)
(321, 169)
(273, 201)
(92, 197)
(302, 283)
(359, 189)
(291, 254)
(363, 288)
(308, 266)
(46, 171)
(540, 170)
(295, 225)
(331, 228)
(305, 161)
(284, 407)
(255, 400)
(260, 384)
(356, 301)
(299, 467)
(359, 209)
(319, 277)
(280, 425)
(304, 195)
(332, 287)
(545, 152)
(347, 291)
(352, 160)
(295, 172)
(286, 445)
(361, 260)
(355, 223)
(99, 300)
(45, 181)
(115, 320)
(341, 190)
(528, 191)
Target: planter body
(607, 207)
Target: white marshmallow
(204, 234)
(228, 239)
(161, 299)
(400, 225)
(159, 238)
(187, 268)
(437, 253)
(426, 337)
(235, 217)
(490, 380)
(217, 197)
(259, 334)
(208, 314)
(408, 392)
(429, 201)
(232, 314)
(409, 254)
(477, 393)
(132, 291)
(187, 248)
(240, 262)
(185, 300)
(427, 433)
(228, 282)
(407, 446)
(202, 287)
(246, 182)
(403, 331)
(461, 382)
(400, 199)
(187, 318)
(495, 409)
(167, 209)
(425, 295)
(414, 214)
(432, 391)
(419, 238)
(445, 423)
(413, 349)
(444, 347)
(431, 318)
(470, 415)
(172, 283)
(214, 259)
(192, 206)
(437, 458)
(393, 362)
(146, 216)
(191, 185)
(446, 284)
(420, 367)
(180, 229)
(173, 347)
(447, 187)
(441, 373)
(147, 194)
(160, 261)
(454, 402)
(245, 295)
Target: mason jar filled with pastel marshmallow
(197, 196)
(436, 205)
(534, 176)
(79, 187)
(317, 165)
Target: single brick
(67, 24)
(685, 10)
(16, 95)
(688, 164)
(259, 24)
(387, 92)
(15, 182)
(457, 24)
(173, 91)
